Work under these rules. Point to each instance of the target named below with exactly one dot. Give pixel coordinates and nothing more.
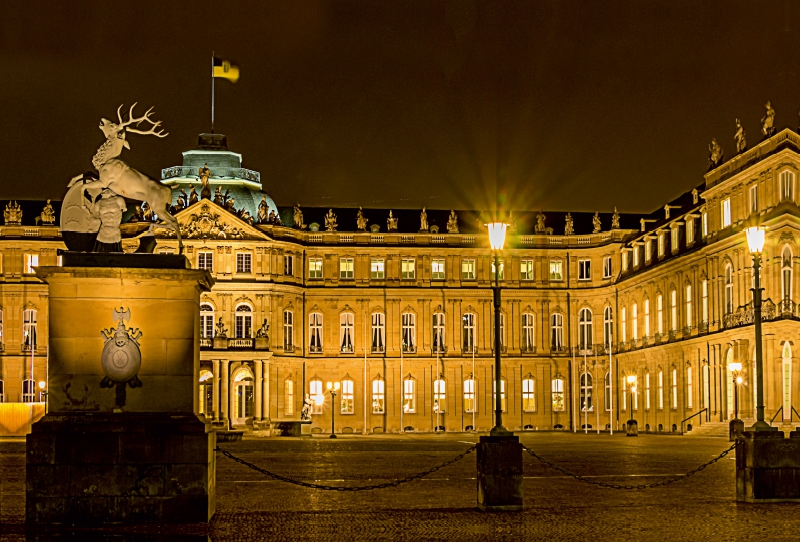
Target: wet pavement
(441, 506)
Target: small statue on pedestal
(452, 223)
(218, 196)
(615, 219)
(263, 207)
(739, 137)
(596, 223)
(263, 331)
(147, 212)
(330, 221)
(204, 173)
(305, 413)
(540, 228)
(48, 215)
(391, 223)
(193, 195)
(767, 122)
(569, 229)
(13, 214)
(423, 220)
(361, 221)
(715, 153)
(298, 218)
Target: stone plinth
(631, 428)
(735, 428)
(768, 467)
(500, 473)
(111, 450)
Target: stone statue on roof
(540, 227)
(391, 222)
(452, 223)
(193, 195)
(596, 226)
(218, 196)
(741, 142)
(361, 221)
(204, 173)
(13, 214)
(330, 221)
(715, 153)
(423, 220)
(220, 330)
(569, 228)
(261, 213)
(615, 220)
(298, 218)
(512, 222)
(48, 215)
(767, 127)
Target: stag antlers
(138, 121)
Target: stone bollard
(736, 428)
(631, 428)
(500, 474)
(768, 467)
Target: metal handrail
(780, 410)
(793, 413)
(692, 416)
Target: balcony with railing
(218, 172)
(235, 343)
(377, 349)
(745, 314)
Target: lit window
(288, 330)
(288, 265)
(502, 395)
(635, 255)
(468, 327)
(661, 243)
(635, 321)
(673, 305)
(378, 396)
(674, 388)
(647, 391)
(378, 332)
(557, 332)
(726, 212)
(29, 334)
(439, 396)
(502, 269)
(409, 396)
(786, 273)
(346, 322)
(528, 394)
(377, 268)
(607, 267)
(407, 268)
(317, 396)
(585, 329)
(689, 305)
(608, 326)
(348, 403)
(346, 268)
(244, 262)
(705, 224)
(315, 332)
(705, 300)
(28, 391)
(624, 321)
(409, 325)
(646, 317)
(587, 388)
(315, 268)
(467, 269)
(728, 289)
(437, 269)
(689, 231)
(243, 321)
(660, 314)
(469, 395)
(675, 238)
(753, 198)
(557, 394)
(555, 270)
(689, 390)
(31, 261)
(288, 398)
(624, 260)
(660, 389)
(438, 332)
(206, 321)
(528, 336)
(584, 270)
(526, 270)
(205, 260)
(607, 388)
(787, 185)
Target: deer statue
(122, 179)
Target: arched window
(608, 326)
(787, 380)
(439, 396)
(348, 402)
(585, 329)
(29, 334)
(586, 392)
(786, 272)
(206, 399)
(529, 394)
(28, 391)
(438, 332)
(315, 332)
(557, 394)
(288, 397)
(673, 306)
(660, 314)
(647, 391)
(469, 394)
(244, 321)
(346, 323)
(688, 305)
(661, 389)
(787, 185)
(288, 330)
(378, 396)
(646, 317)
(409, 322)
(728, 288)
(624, 323)
(409, 395)
(557, 332)
(704, 286)
(317, 395)
(528, 336)
(674, 388)
(607, 389)
(468, 331)
(502, 395)
(689, 388)
(206, 321)
(378, 332)
(635, 321)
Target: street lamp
(497, 238)
(43, 394)
(333, 387)
(631, 428)
(755, 244)
(735, 369)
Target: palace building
(398, 308)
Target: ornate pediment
(207, 220)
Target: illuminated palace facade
(403, 320)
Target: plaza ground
(442, 506)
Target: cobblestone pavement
(442, 506)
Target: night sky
(563, 106)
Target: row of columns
(221, 387)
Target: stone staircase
(713, 429)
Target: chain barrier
(309, 485)
(626, 486)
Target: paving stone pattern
(442, 507)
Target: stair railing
(793, 413)
(780, 410)
(697, 414)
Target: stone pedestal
(499, 473)
(110, 450)
(261, 343)
(768, 467)
(735, 428)
(631, 428)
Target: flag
(225, 70)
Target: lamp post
(755, 244)
(632, 428)
(43, 394)
(497, 238)
(333, 387)
(735, 369)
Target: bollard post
(500, 474)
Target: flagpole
(212, 92)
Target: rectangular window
(469, 395)
(557, 332)
(647, 391)
(437, 269)
(526, 270)
(660, 389)
(378, 396)
(705, 300)
(348, 403)
(288, 265)
(31, 261)
(317, 396)
(754, 198)
(623, 313)
(378, 332)
(607, 267)
(528, 337)
(635, 321)
(624, 260)
(407, 269)
(438, 332)
(377, 269)
(705, 224)
(244, 262)
(288, 398)
(315, 332)
(689, 388)
(346, 323)
(689, 305)
(661, 243)
(409, 396)
(409, 324)
(660, 314)
(29, 331)
(675, 238)
(243, 322)
(315, 268)
(439, 396)
(787, 185)
(467, 269)
(726, 212)
(648, 250)
(346, 268)
(288, 330)
(584, 269)
(205, 260)
(555, 270)
(689, 231)
(528, 395)
(502, 269)
(673, 304)
(468, 331)
(646, 317)
(635, 255)
(557, 393)
(674, 388)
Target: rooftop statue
(741, 142)
(204, 173)
(263, 207)
(715, 153)
(218, 196)
(330, 221)
(540, 228)
(361, 221)
(391, 222)
(452, 223)
(569, 228)
(512, 222)
(147, 212)
(220, 330)
(48, 215)
(423, 220)
(117, 176)
(767, 122)
(298, 218)
(596, 223)
(193, 195)
(13, 214)
(263, 331)
(615, 220)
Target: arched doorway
(242, 397)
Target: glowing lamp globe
(755, 239)
(497, 234)
(734, 366)
(631, 379)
